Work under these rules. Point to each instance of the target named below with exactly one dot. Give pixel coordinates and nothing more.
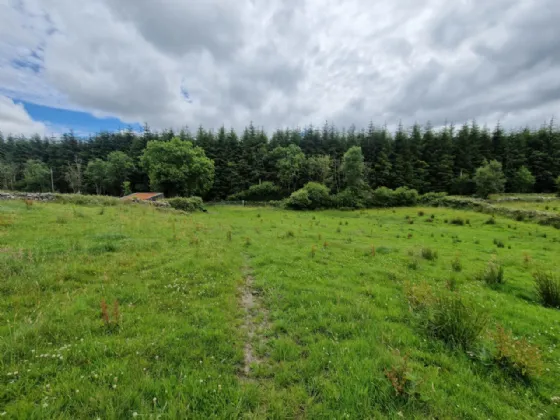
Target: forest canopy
(220, 163)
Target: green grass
(551, 206)
(333, 329)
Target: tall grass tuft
(493, 275)
(456, 264)
(429, 254)
(548, 289)
(454, 321)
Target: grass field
(265, 313)
(552, 206)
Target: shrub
(382, 197)
(454, 321)
(88, 200)
(431, 198)
(189, 204)
(312, 196)
(352, 198)
(457, 221)
(493, 275)
(491, 221)
(548, 289)
(265, 191)
(456, 264)
(404, 196)
(517, 355)
(429, 254)
(420, 213)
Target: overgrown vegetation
(548, 288)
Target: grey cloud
(182, 27)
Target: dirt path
(255, 322)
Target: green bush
(383, 197)
(432, 198)
(189, 204)
(454, 321)
(299, 200)
(404, 196)
(318, 194)
(265, 191)
(352, 198)
(548, 289)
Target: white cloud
(285, 63)
(16, 121)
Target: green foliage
(312, 196)
(36, 176)
(457, 221)
(353, 167)
(523, 180)
(119, 166)
(188, 204)
(548, 289)
(97, 174)
(126, 188)
(265, 191)
(290, 164)
(557, 182)
(319, 168)
(489, 179)
(177, 167)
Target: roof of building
(142, 196)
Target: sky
(112, 64)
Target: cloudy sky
(106, 64)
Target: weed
(105, 313)
(325, 245)
(429, 220)
(338, 230)
(456, 264)
(432, 216)
(109, 323)
(451, 284)
(319, 236)
(411, 222)
(457, 221)
(402, 379)
(517, 356)
(519, 217)
(373, 250)
(413, 264)
(61, 220)
(409, 236)
(493, 275)
(429, 254)
(548, 289)
(499, 243)
(454, 321)
(445, 221)
(420, 296)
(194, 240)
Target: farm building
(145, 196)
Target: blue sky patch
(82, 123)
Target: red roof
(142, 196)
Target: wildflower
(114, 386)
(135, 414)
(45, 405)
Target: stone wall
(15, 195)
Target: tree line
(217, 164)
